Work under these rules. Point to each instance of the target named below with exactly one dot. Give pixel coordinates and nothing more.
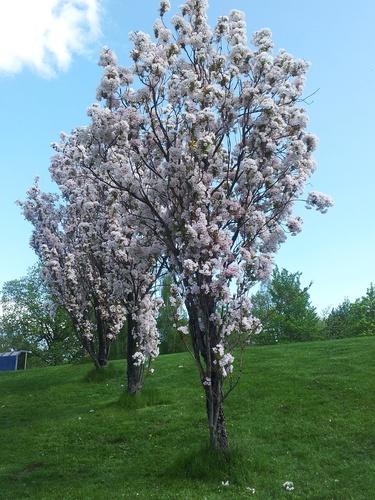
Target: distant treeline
(287, 314)
(30, 320)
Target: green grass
(302, 412)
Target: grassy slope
(302, 413)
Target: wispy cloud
(44, 34)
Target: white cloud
(44, 34)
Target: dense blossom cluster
(92, 261)
(213, 146)
(207, 154)
(146, 335)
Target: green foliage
(171, 339)
(364, 313)
(353, 319)
(32, 321)
(285, 310)
(341, 321)
(302, 413)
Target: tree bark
(89, 348)
(134, 372)
(215, 413)
(103, 350)
(103, 342)
(204, 337)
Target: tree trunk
(204, 337)
(134, 372)
(215, 413)
(89, 348)
(103, 350)
(103, 342)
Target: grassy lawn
(303, 413)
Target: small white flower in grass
(226, 483)
(251, 490)
(288, 485)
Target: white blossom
(319, 200)
(205, 157)
(165, 6)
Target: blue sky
(48, 77)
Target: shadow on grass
(100, 375)
(207, 465)
(146, 398)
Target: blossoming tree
(94, 267)
(130, 262)
(209, 151)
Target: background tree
(67, 270)
(341, 321)
(352, 319)
(96, 269)
(285, 310)
(209, 152)
(363, 310)
(32, 320)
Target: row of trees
(191, 167)
(352, 319)
(31, 319)
(287, 315)
(282, 305)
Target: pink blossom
(319, 200)
(203, 161)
